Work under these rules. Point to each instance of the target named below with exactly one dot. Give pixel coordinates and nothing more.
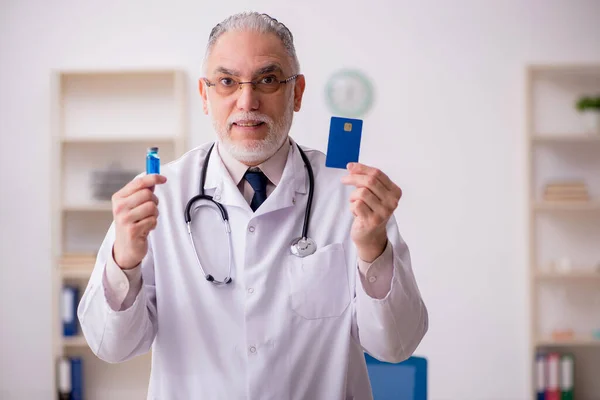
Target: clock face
(349, 93)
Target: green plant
(588, 103)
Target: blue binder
(540, 374)
(70, 296)
(76, 378)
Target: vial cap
(153, 149)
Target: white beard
(256, 151)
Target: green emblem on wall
(349, 93)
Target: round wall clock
(349, 93)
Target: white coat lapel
(293, 182)
(220, 185)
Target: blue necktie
(258, 181)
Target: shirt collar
(294, 170)
(272, 167)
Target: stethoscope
(301, 247)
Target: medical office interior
(486, 114)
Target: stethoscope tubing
(202, 196)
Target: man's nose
(247, 98)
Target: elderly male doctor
(284, 327)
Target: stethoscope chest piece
(302, 247)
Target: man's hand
(372, 203)
(135, 211)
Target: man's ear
(203, 94)
(299, 92)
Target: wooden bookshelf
(560, 148)
(103, 121)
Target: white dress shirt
(286, 328)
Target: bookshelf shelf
(69, 260)
(76, 273)
(75, 341)
(567, 139)
(567, 206)
(103, 122)
(575, 276)
(563, 196)
(118, 139)
(92, 207)
(577, 341)
(77, 266)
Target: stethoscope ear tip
(228, 280)
(209, 278)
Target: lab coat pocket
(319, 283)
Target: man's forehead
(248, 52)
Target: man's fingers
(362, 169)
(360, 209)
(368, 182)
(367, 197)
(136, 199)
(388, 198)
(140, 197)
(148, 209)
(139, 183)
(146, 225)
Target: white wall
(448, 126)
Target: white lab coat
(286, 327)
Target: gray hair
(253, 21)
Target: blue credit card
(344, 142)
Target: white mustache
(248, 116)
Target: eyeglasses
(267, 84)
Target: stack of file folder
(555, 374)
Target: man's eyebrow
(225, 71)
(268, 69)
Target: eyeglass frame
(254, 83)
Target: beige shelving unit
(104, 119)
(564, 235)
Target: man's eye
(268, 80)
(226, 81)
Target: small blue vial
(152, 161)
